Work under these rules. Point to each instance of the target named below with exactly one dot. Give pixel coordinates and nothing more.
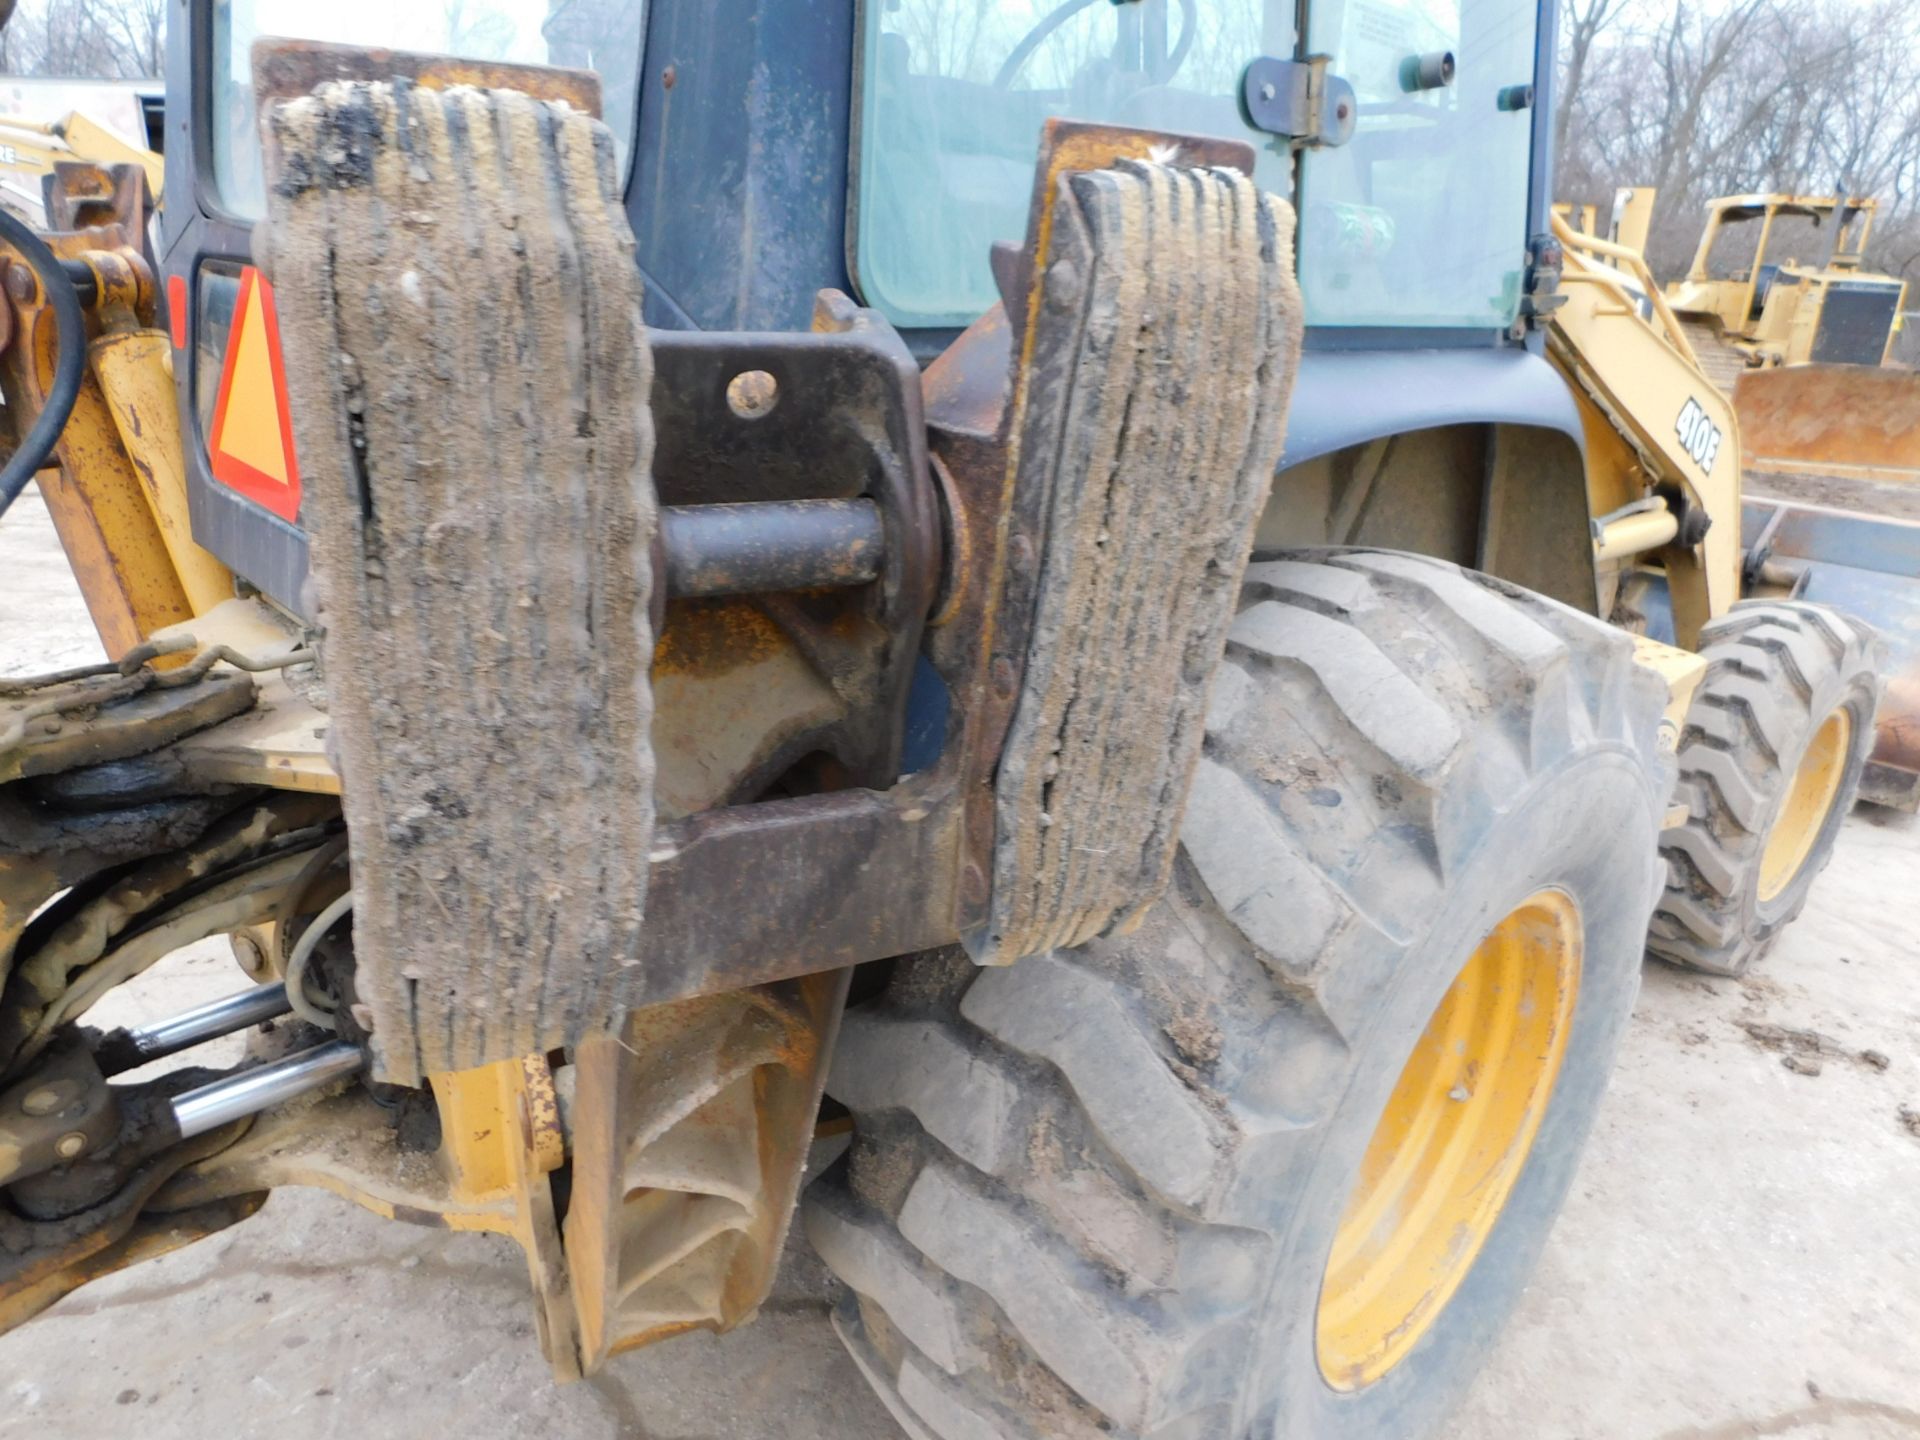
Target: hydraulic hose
(69, 364)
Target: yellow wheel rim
(1809, 801)
(1451, 1142)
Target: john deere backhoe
(1128, 706)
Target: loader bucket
(1847, 420)
(1869, 568)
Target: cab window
(1420, 220)
(579, 34)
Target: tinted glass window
(600, 35)
(1421, 219)
(953, 96)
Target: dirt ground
(1740, 1257)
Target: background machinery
(1154, 709)
(1804, 345)
(44, 123)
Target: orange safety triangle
(250, 445)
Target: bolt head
(68, 1146)
(42, 1100)
(247, 951)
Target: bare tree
(1719, 97)
(105, 39)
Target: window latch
(1301, 101)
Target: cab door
(1422, 218)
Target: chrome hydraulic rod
(126, 1049)
(251, 1091)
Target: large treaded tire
(1775, 671)
(1092, 1194)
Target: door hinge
(1299, 100)
(1542, 295)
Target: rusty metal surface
(1852, 421)
(770, 546)
(691, 1133)
(752, 893)
(842, 422)
(749, 893)
(286, 69)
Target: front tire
(1770, 762)
(1097, 1192)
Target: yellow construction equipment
(1182, 715)
(30, 149)
(1799, 341)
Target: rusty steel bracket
(690, 1134)
(781, 423)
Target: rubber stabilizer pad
(1165, 337)
(459, 311)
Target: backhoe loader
(1827, 422)
(1032, 578)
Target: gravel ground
(1740, 1257)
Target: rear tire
(1790, 692)
(1095, 1192)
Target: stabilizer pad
(1166, 332)
(460, 315)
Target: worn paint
(134, 371)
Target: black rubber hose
(69, 361)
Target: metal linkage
(87, 687)
(767, 546)
(251, 1091)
